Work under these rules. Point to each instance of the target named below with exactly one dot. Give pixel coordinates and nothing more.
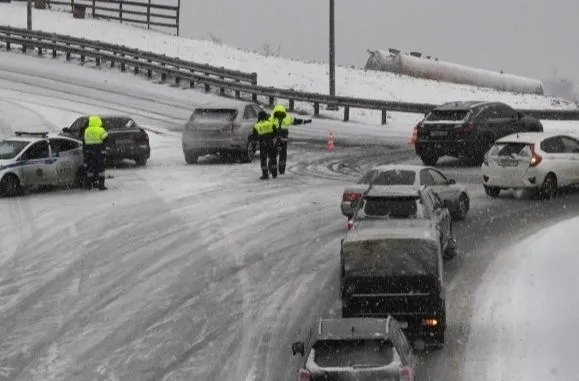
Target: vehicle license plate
(403, 324)
(438, 133)
(508, 163)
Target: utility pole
(332, 54)
(29, 15)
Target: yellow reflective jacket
(95, 133)
(263, 129)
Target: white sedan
(454, 196)
(541, 161)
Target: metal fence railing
(147, 12)
(229, 82)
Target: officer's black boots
(102, 183)
(264, 176)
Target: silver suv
(223, 127)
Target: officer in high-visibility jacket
(264, 133)
(95, 138)
(282, 121)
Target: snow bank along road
(198, 272)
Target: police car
(32, 159)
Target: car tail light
(414, 136)
(535, 157)
(350, 225)
(304, 375)
(351, 196)
(430, 322)
(143, 136)
(467, 127)
(405, 374)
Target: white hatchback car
(533, 160)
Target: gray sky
(524, 37)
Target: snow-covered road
(526, 311)
(197, 272)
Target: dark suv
(468, 129)
(126, 139)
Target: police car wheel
(9, 186)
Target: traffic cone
(414, 136)
(330, 141)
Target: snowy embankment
(271, 71)
(524, 323)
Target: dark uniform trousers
(282, 147)
(267, 151)
(95, 163)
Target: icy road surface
(198, 272)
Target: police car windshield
(9, 149)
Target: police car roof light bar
(22, 133)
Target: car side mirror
(451, 181)
(66, 130)
(299, 347)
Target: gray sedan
(454, 196)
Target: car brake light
(143, 136)
(405, 374)
(350, 225)
(467, 127)
(351, 196)
(430, 322)
(535, 157)
(304, 375)
(414, 136)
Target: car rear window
(118, 123)
(392, 207)
(389, 177)
(353, 353)
(509, 149)
(447, 115)
(214, 114)
(9, 149)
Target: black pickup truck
(126, 139)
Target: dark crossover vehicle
(356, 349)
(126, 139)
(399, 207)
(468, 129)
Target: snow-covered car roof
(353, 328)
(527, 137)
(399, 167)
(227, 103)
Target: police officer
(282, 121)
(264, 132)
(95, 137)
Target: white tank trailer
(427, 67)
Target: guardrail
(214, 77)
(161, 60)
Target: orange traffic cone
(330, 141)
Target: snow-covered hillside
(271, 71)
